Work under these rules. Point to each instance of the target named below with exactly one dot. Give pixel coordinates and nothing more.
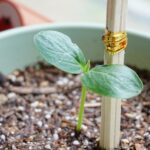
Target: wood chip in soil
(39, 106)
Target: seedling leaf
(57, 49)
(118, 81)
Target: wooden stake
(111, 107)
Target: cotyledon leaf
(118, 81)
(58, 49)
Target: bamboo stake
(111, 107)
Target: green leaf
(118, 81)
(57, 49)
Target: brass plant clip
(115, 41)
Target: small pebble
(20, 79)
(84, 127)
(86, 143)
(131, 115)
(55, 136)
(59, 130)
(35, 104)
(138, 117)
(3, 137)
(48, 116)
(3, 99)
(138, 125)
(12, 77)
(95, 130)
(61, 97)
(44, 84)
(30, 148)
(48, 146)
(71, 83)
(26, 117)
(1, 119)
(46, 126)
(76, 142)
(58, 102)
(88, 134)
(39, 123)
(16, 73)
(11, 95)
(38, 110)
(125, 141)
(68, 103)
(146, 134)
(62, 81)
(77, 79)
(70, 76)
(68, 117)
(13, 147)
(138, 137)
(147, 137)
(21, 108)
(125, 144)
(72, 134)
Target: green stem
(81, 110)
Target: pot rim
(21, 30)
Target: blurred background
(90, 11)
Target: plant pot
(17, 51)
(17, 48)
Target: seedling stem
(82, 100)
(81, 109)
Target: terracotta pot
(13, 14)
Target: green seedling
(118, 81)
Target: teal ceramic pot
(17, 49)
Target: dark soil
(38, 111)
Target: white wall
(91, 11)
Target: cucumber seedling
(118, 81)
